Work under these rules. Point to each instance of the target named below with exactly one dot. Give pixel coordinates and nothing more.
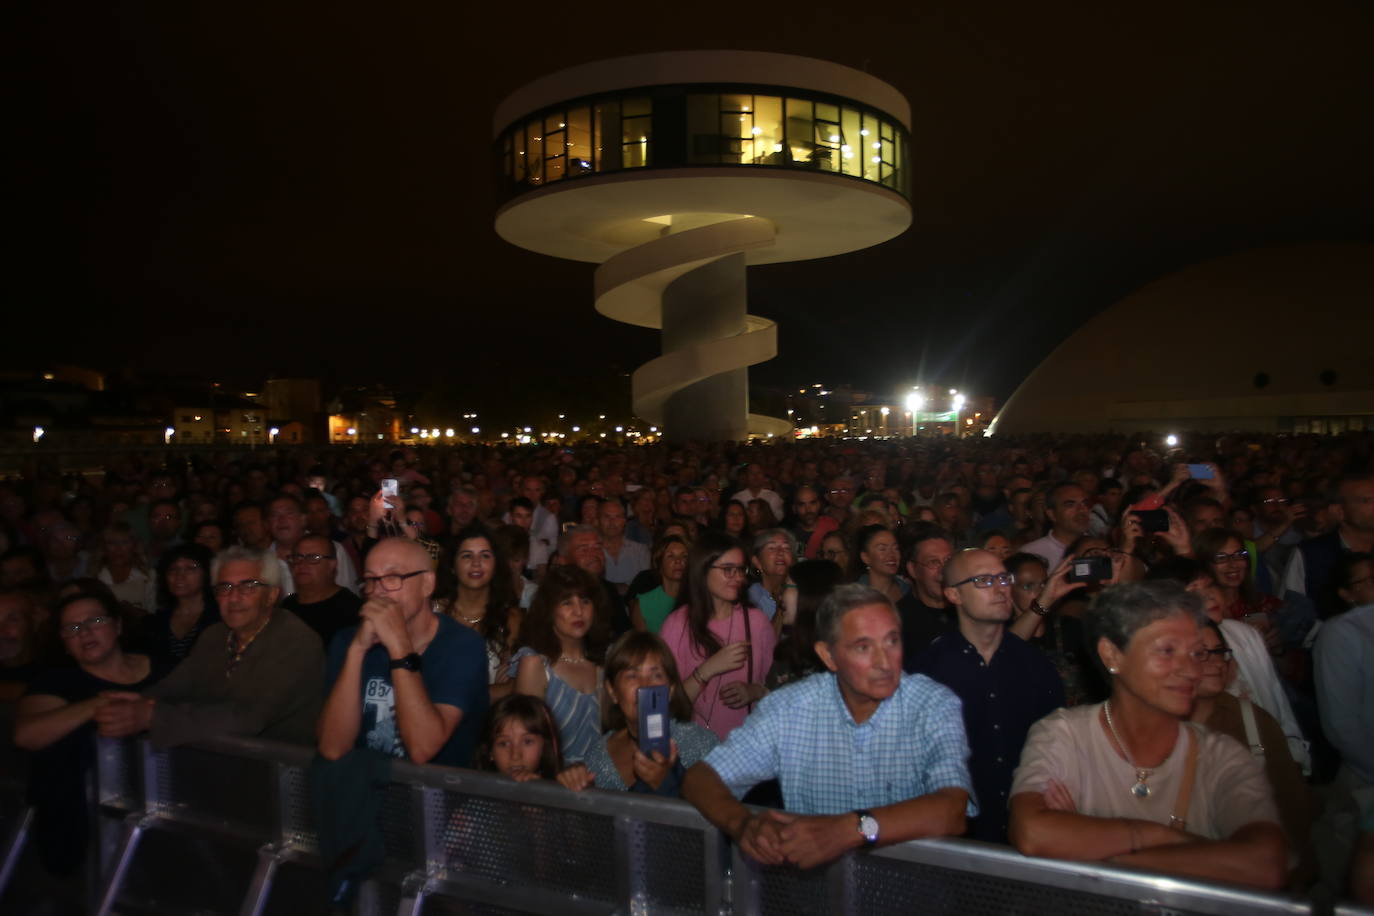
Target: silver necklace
(1140, 789)
(571, 660)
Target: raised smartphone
(655, 728)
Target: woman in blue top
(615, 760)
(564, 635)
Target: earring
(1111, 671)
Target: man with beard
(809, 526)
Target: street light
(37, 434)
(914, 402)
(168, 433)
(271, 434)
(958, 406)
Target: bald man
(1005, 684)
(406, 681)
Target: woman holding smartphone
(619, 760)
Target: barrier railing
(504, 847)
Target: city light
(1171, 440)
(37, 433)
(434, 434)
(449, 432)
(171, 431)
(414, 430)
(527, 429)
(505, 435)
(476, 430)
(915, 401)
(424, 434)
(958, 403)
(654, 429)
(272, 433)
(620, 429)
(353, 431)
(884, 411)
(577, 429)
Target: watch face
(868, 826)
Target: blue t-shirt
(454, 672)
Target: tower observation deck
(674, 172)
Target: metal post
(630, 879)
(136, 824)
(269, 858)
(414, 889)
(744, 885)
(14, 847)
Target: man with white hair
(258, 672)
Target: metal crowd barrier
(463, 841)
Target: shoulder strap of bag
(1179, 818)
(1252, 738)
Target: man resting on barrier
(865, 754)
(256, 673)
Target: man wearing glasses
(1005, 685)
(255, 673)
(319, 600)
(286, 521)
(406, 682)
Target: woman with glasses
(185, 604)
(1259, 732)
(835, 549)
(54, 720)
(724, 646)
(1225, 556)
(1130, 780)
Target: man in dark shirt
(924, 612)
(319, 600)
(1005, 685)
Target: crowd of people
(1089, 648)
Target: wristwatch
(409, 662)
(868, 827)
(1039, 609)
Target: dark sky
(230, 189)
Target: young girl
(520, 740)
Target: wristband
(1038, 609)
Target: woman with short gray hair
(1130, 780)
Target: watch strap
(409, 662)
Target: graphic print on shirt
(379, 718)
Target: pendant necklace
(1140, 789)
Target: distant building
(1271, 340)
(295, 401)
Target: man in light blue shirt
(865, 754)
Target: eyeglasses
(1275, 501)
(73, 630)
(390, 582)
(247, 587)
(1237, 557)
(986, 580)
(933, 564)
(1221, 654)
(313, 559)
(839, 490)
(1168, 653)
(730, 572)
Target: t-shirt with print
(454, 671)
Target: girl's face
(475, 563)
(1030, 578)
(735, 518)
(516, 750)
(623, 691)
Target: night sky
(236, 190)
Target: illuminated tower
(674, 172)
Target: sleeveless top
(578, 714)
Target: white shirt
(1049, 548)
(774, 500)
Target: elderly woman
(616, 762)
(1128, 780)
(772, 553)
(1260, 732)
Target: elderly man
(1005, 685)
(256, 672)
(866, 755)
(319, 600)
(286, 521)
(406, 682)
(582, 546)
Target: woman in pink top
(723, 648)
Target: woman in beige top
(1127, 780)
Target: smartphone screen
(655, 731)
(1200, 472)
(390, 487)
(1090, 569)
